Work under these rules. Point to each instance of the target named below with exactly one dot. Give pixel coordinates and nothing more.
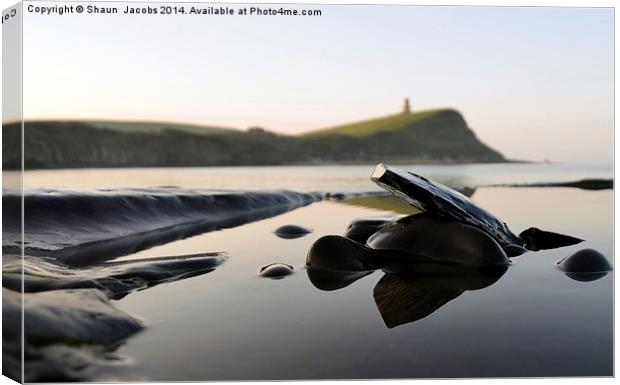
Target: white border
(537, 3)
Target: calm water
(305, 178)
(232, 324)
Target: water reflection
(406, 299)
(383, 203)
(403, 299)
(333, 280)
(591, 277)
(393, 204)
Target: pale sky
(534, 83)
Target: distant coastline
(424, 137)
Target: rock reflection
(333, 280)
(588, 277)
(406, 299)
(403, 299)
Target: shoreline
(401, 162)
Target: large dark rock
(442, 201)
(423, 242)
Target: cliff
(435, 136)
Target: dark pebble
(276, 270)
(585, 261)
(292, 231)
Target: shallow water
(306, 178)
(232, 324)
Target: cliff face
(442, 136)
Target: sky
(533, 82)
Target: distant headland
(409, 136)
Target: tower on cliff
(406, 106)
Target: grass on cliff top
(377, 125)
(157, 127)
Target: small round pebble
(585, 261)
(276, 270)
(292, 231)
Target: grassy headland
(390, 123)
(432, 136)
